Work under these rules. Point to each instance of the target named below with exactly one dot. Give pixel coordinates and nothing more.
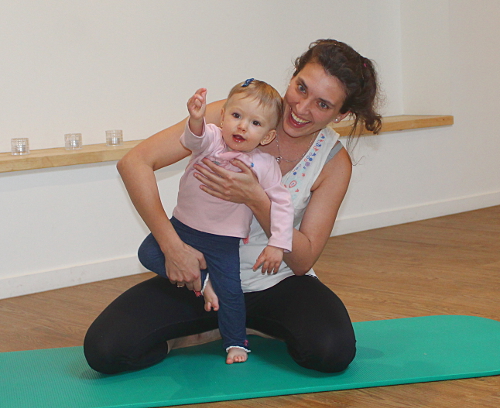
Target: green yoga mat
(390, 352)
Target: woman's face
(313, 100)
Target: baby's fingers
(193, 104)
(258, 263)
(196, 102)
(271, 267)
(202, 92)
(267, 267)
(198, 99)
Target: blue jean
(223, 265)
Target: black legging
(132, 332)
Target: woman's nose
(302, 106)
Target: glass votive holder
(20, 146)
(114, 137)
(73, 141)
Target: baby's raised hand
(197, 104)
(270, 259)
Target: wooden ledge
(59, 157)
(400, 122)
(98, 153)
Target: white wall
(88, 66)
(449, 59)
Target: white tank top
(299, 182)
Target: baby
(215, 226)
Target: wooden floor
(447, 265)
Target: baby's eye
(236, 115)
(256, 123)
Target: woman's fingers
(216, 180)
(234, 186)
(195, 286)
(212, 170)
(183, 267)
(208, 178)
(242, 166)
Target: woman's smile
(298, 120)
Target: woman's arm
(137, 171)
(327, 194)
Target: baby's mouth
(238, 138)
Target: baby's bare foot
(211, 299)
(236, 355)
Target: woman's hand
(183, 264)
(236, 187)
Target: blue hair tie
(247, 82)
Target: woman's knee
(328, 354)
(101, 354)
(114, 355)
(334, 355)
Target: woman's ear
(268, 138)
(341, 116)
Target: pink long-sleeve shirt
(206, 213)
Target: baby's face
(246, 124)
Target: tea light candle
(73, 141)
(20, 146)
(114, 138)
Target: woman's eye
(301, 88)
(256, 123)
(323, 105)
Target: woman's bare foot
(259, 333)
(211, 299)
(194, 340)
(236, 355)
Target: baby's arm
(270, 259)
(197, 105)
(282, 213)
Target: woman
(140, 327)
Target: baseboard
(11, 286)
(424, 211)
